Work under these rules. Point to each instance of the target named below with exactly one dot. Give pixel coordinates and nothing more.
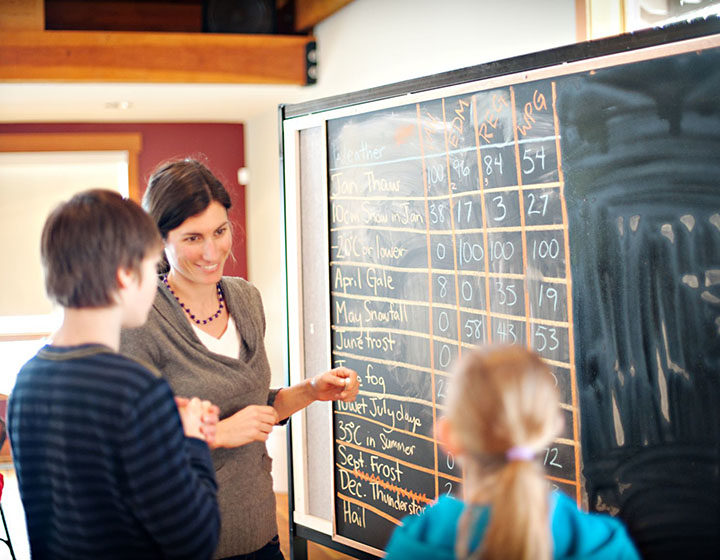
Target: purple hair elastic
(519, 453)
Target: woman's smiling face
(198, 248)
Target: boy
(104, 467)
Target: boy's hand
(199, 417)
(210, 418)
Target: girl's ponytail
(519, 525)
(503, 408)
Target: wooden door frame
(130, 142)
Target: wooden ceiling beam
(309, 13)
(97, 56)
(124, 15)
(22, 14)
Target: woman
(503, 411)
(205, 335)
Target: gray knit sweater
(168, 342)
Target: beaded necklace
(187, 309)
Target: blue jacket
(431, 534)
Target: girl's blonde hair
(503, 398)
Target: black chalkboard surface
(577, 214)
(643, 199)
(448, 229)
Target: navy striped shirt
(104, 468)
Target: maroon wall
(222, 146)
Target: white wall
(31, 185)
(370, 43)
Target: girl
(502, 412)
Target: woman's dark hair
(178, 190)
(84, 242)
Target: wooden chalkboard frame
(294, 118)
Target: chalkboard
(448, 230)
(576, 213)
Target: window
(31, 185)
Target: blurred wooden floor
(315, 551)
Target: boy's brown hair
(84, 242)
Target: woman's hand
(339, 384)
(199, 418)
(252, 423)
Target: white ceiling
(102, 102)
